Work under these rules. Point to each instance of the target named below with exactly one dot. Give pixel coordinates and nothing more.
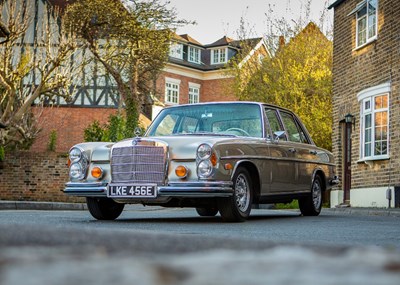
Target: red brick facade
(211, 90)
(69, 123)
(354, 71)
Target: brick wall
(357, 69)
(210, 90)
(69, 123)
(29, 176)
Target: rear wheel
(207, 212)
(237, 208)
(104, 208)
(311, 205)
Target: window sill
(374, 39)
(370, 161)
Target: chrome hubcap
(317, 194)
(242, 193)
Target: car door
(281, 156)
(304, 153)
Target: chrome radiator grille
(138, 164)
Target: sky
(218, 18)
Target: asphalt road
(175, 246)
(263, 225)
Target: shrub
(2, 153)
(51, 146)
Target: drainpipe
(389, 196)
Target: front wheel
(104, 208)
(311, 205)
(207, 212)
(237, 208)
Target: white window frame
(194, 93)
(176, 50)
(366, 98)
(172, 91)
(194, 55)
(371, 20)
(219, 55)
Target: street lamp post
(349, 121)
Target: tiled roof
(205, 64)
(191, 40)
(224, 41)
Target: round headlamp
(204, 151)
(204, 169)
(75, 154)
(76, 171)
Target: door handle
(314, 152)
(292, 150)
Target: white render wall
(364, 197)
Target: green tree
(34, 66)
(298, 75)
(131, 41)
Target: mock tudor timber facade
(366, 102)
(194, 73)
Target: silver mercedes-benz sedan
(215, 157)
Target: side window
(293, 130)
(274, 124)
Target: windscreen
(219, 119)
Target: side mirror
(279, 135)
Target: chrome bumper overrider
(334, 181)
(181, 189)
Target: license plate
(132, 191)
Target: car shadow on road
(257, 216)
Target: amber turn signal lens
(69, 162)
(97, 172)
(181, 171)
(213, 159)
(228, 166)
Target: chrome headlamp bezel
(79, 163)
(205, 169)
(76, 171)
(204, 151)
(75, 154)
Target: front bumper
(198, 189)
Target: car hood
(185, 147)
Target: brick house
(366, 102)
(194, 73)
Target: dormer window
(194, 54)
(219, 55)
(366, 16)
(176, 50)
